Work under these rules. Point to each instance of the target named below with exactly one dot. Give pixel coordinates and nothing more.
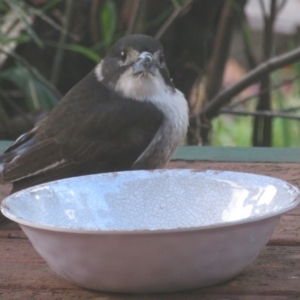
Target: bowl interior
(151, 200)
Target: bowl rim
(6, 211)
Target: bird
(126, 114)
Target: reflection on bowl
(151, 231)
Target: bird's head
(135, 68)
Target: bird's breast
(171, 132)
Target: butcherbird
(124, 115)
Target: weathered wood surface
(275, 274)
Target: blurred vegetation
(47, 46)
(231, 130)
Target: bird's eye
(161, 58)
(123, 56)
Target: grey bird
(125, 114)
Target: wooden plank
(233, 154)
(15, 233)
(237, 154)
(86, 295)
(285, 171)
(276, 273)
(288, 230)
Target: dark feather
(91, 130)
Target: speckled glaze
(151, 231)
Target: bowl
(151, 231)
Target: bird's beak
(145, 63)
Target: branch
(280, 6)
(171, 19)
(273, 88)
(41, 14)
(262, 127)
(18, 109)
(212, 108)
(34, 72)
(263, 9)
(291, 108)
(138, 10)
(93, 21)
(133, 17)
(59, 55)
(247, 44)
(217, 62)
(5, 121)
(264, 113)
(218, 59)
(176, 4)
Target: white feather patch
(98, 71)
(146, 87)
(173, 130)
(171, 102)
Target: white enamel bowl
(151, 231)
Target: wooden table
(275, 274)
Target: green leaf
(108, 21)
(159, 18)
(285, 123)
(247, 32)
(22, 38)
(231, 131)
(4, 6)
(38, 96)
(22, 13)
(180, 2)
(49, 5)
(296, 67)
(85, 51)
(31, 32)
(89, 53)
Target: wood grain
(276, 272)
(285, 171)
(274, 275)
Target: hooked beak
(145, 63)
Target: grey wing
(113, 142)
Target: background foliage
(47, 46)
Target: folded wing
(92, 130)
